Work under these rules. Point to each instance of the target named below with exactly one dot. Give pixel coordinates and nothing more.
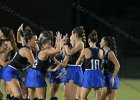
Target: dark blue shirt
(73, 58)
(18, 61)
(94, 62)
(42, 65)
(108, 64)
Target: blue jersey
(18, 61)
(35, 77)
(94, 62)
(108, 64)
(108, 72)
(93, 77)
(42, 65)
(73, 58)
(74, 72)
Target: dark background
(103, 15)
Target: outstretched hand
(21, 27)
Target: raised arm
(78, 47)
(54, 50)
(20, 38)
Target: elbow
(63, 65)
(57, 51)
(119, 66)
(69, 53)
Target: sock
(35, 98)
(53, 98)
(15, 98)
(24, 99)
(8, 97)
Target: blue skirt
(93, 79)
(52, 76)
(107, 83)
(74, 73)
(9, 72)
(35, 79)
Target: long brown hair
(93, 36)
(80, 33)
(9, 35)
(111, 43)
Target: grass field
(129, 90)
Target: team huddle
(79, 69)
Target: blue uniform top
(108, 64)
(18, 61)
(42, 65)
(94, 62)
(73, 58)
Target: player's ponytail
(93, 36)
(111, 43)
(80, 33)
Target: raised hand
(21, 27)
(58, 36)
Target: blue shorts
(53, 75)
(74, 73)
(93, 79)
(107, 83)
(9, 72)
(35, 79)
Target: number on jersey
(95, 64)
(35, 64)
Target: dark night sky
(60, 15)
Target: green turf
(129, 90)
